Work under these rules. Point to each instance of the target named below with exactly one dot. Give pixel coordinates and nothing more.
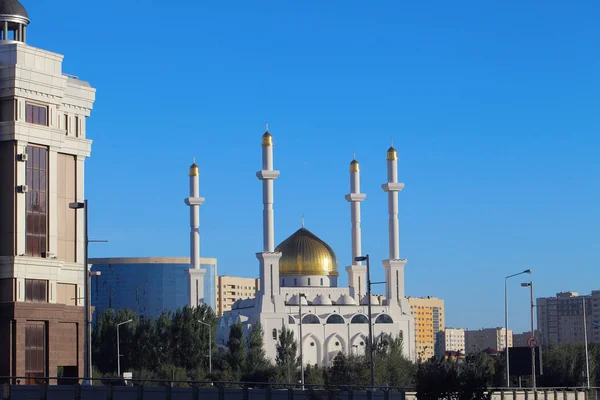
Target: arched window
(295, 282)
(283, 282)
(274, 334)
(401, 335)
(359, 319)
(321, 281)
(384, 319)
(310, 319)
(291, 320)
(335, 319)
(308, 281)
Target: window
(335, 319)
(311, 319)
(321, 281)
(35, 114)
(66, 124)
(384, 319)
(359, 319)
(36, 221)
(35, 352)
(295, 282)
(36, 291)
(291, 320)
(283, 282)
(77, 126)
(308, 281)
(274, 334)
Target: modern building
(451, 340)
(480, 340)
(520, 339)
(232, 288)
(429, 320)
(299, 282)
(43, 147)
(560, 319)
(149, 285)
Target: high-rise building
(429, 320)
(149, 285)
(477, 341)
(451, 339)
(232, 288)
(520, 339)
(560, 319)
(43, 146)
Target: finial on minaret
(391, 142)
(267, 127)
(303, 220)
(193, 160)
(354, 155)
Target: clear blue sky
(493, 107)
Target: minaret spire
(357, 273)
(196, 275)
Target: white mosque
(304, 269)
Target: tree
(257, 358)
(391, 367)
(237, 348)
(286, 357)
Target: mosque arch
(335, 319)
(311, 350)
(358, 344)
(384, 319)
(291, 320)
(359, 319)
(311, 319)
(333, 346)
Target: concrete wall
(22, 392)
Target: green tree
(104, 346)
(286, 355)
(237, 349)
(390, 365)
(257, 358)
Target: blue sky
(493, 107)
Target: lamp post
(527, 271)
(587, 358)
(87, 329)
(366, 258)
(300, 296)
(119, 346)
(209, 345)
(532, 305)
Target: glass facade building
(148, 286)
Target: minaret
(269, 260)
(357, 272)
(196, 275)
(394, 266)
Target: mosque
(299, 282)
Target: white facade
(334, 318)
(451, 339)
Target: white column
(195, 274)
(394, 266)
(356, 271)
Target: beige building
(520, 339)
(451, 339)
(491, 338)
(560, 318)
(429, 320)
(232, 288)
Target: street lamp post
(209, 346)
(366, 258)
(532, 345)
(587, 358)
(527, 271)
(119, 347)
(300, 296)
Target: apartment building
(477, 341)
(560, 319)
(232, 288)
(451, 340)
(429, 320)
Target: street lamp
(87, 329)
(366, 258)
(527, 271)
(532, 345)
(209, 346)
(587, 358)
(119, 347)
(300, 296)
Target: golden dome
(267, 139)
(194, 170)
(354, 166)
(303, 253)
(391, 154)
